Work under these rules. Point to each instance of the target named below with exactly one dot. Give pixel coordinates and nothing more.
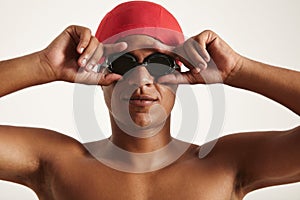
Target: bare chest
(90, 180)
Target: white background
(264, 30)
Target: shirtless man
(60, 168)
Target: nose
(140, 77)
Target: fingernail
(81, 50)
(207, 59)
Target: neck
(127, 153)
(141, 140)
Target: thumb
(107, 79)
(174, 78)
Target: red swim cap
(140, 17)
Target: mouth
(142, 100)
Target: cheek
(168, 95)
(112, 99)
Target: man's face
(137, 99)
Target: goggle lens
(157, 64)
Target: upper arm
(18, 154)
(267, 158)
(24, 150)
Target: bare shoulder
(25, 151)
(38, 139)
(256, 158)
(230, 149)
(249, 141)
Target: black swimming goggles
(157, 64)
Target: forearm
(22, 72)
(279, 84)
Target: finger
(94, 59)
(174, 78)
(93, 78)
(163, 48)
(101, 50)
(202, 52)
(109, 79)
(181, 55)
(114, 48)
(204, 39)
(194, 56)
(84, 38)
(88, 52)
(182, 78)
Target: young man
(139, 76)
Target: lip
(142, 100)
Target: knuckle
(88, 31)
(208, 31)
(100, 45)
(210, 34)
(187, 44)
(94, 40)
(83, 29)
(70, 27)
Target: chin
(141, 119)
(141, 127)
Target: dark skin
(59, 167)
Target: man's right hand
(74, 54)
